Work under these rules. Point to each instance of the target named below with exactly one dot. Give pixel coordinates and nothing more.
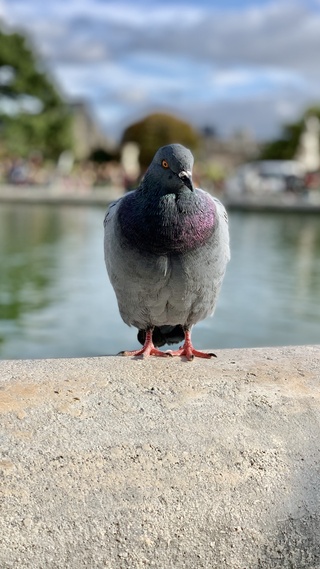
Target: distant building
(87, 135)
(265, 177)
(231, 152)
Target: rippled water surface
(56, 301)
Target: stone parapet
(119, 463)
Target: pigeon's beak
(186, 177)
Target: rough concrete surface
(120, 463)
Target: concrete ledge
(114, 463)
(58, 196)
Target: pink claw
(147, 350)
(188, 350)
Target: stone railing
(120, 463)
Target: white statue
(309, 146)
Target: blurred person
(18, 171)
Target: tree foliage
(285, 147)
(157, 130)
(32, 113)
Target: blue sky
(225, 63)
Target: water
(56, 300)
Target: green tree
(32, 113)
(285, 147)
(157, 130)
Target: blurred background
(88, 91)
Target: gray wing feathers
(139, 280)
(206, 268)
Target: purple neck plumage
(169, 224)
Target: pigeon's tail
(163, 335)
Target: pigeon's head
(171, 169)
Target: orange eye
(164, 164)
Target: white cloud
(286, 109)
(3, 11)
(194, 57)
(232, 78)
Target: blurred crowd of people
(35, 171)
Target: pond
(56, 300)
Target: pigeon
(166, 251)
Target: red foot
(147, 350)
(188, 350)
